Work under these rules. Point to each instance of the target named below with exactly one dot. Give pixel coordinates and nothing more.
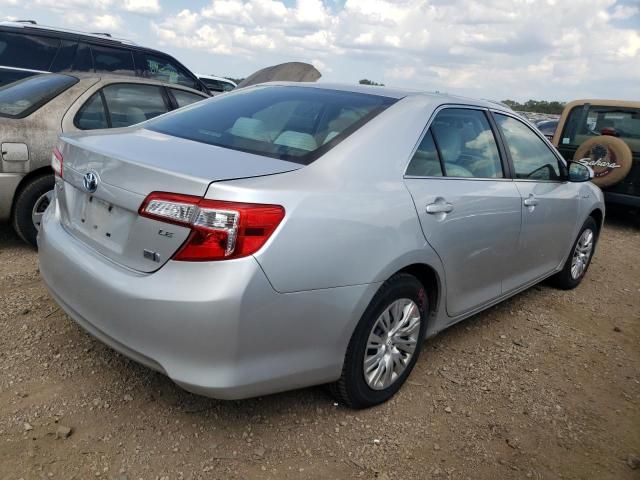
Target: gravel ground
(545, 385)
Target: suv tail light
(57, 161)
(219, 230)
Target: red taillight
(57, 161)
(219, 229)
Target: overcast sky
(498, 49)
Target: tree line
(536, 106)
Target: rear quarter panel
(349, 218)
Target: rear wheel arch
(31, 197)
(430, 279)
(26, 180)
(425, 274)
(352, 387)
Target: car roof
(397, 93)
(29, 25)
(114, 78)
(101, 38)
(602, 103)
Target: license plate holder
(96, 217)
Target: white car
(217, 85)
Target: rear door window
(165, 70)
(115, 60)
(425, 162)
(184, 98)
(21, 98)
(292, 123)
(27, 51)
(466, 144)
(130, 103)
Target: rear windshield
(297, 124)
(8, 75)
(588, 121)
(21, 98)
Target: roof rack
(34, 24)
(102, 33)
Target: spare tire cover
(609, 157)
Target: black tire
(23, 207)
(352, 389)
(563, 279)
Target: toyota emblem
(90, 181)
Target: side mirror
(579, 172)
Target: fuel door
(14, 152)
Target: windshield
(588, 121)
(23, 97)
(297, 124)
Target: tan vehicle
(604, 135)
(35, 110)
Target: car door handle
(439, 207)
(531, 201)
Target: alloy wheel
(582, 253)
(391, 344)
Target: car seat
(449, 139)
(251, 128)
(297, 140)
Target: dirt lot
(545, 385)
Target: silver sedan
(287, 235)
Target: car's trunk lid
(129, 164)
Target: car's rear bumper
(215, 328)
(622, 199)
(8, 184)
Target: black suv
(27, 48)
